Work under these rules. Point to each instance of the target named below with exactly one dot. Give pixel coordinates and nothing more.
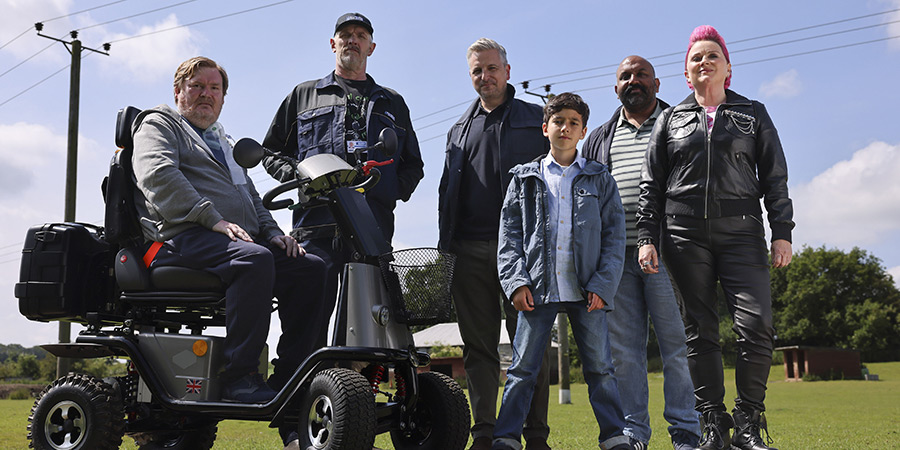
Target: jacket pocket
(682, 124)
(739, 124)
(315, 131)
(586, 207)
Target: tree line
(825, 297)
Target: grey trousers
(479, 302)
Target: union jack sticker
(193, 386)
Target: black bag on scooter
(65, 272)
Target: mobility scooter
(364, 383)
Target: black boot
(747, 428)
(717, 427)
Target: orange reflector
(200, 347)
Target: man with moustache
(621, 144)
(496, 133)
(337, 114)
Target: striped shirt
(626, 156)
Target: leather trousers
(731, 251)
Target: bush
(21, 394)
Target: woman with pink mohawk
(710, 160)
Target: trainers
(684, 440)
(481, 443)
(638, 445)
(249, 388)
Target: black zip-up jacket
(685, 173)
(598, 143)
(521, 140)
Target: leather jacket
(724, 173)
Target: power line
(774, 44)
(136, 15)
(60, 17)
(795, 30)
(40, 82)
(84, 11)
(442, 110)
(26, 60)
(202, 21)
(34, 85)
(774, 58)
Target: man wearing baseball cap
(337, 114)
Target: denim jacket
(598, 220)
(311, 121)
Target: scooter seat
(134, 277)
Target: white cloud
(21, 15)
(154, 56)
(894, 28)
(853, 203)
(26, 149)
(895, 272)
(784, 85)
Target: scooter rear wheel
(77, 412)
(338, 412)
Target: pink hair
(707, 33)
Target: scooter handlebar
(269, 201)
(370, 182)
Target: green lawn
(802, 415)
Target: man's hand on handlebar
(288, 244)
(232, 230)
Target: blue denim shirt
(564, 285)
(524, 256)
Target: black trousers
(254, 274)
(731, 250)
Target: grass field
(802, 415)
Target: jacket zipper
(705, 121)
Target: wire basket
(418, 281)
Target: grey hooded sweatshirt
(180, 184)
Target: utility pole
(75, 48)
(562, 336)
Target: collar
(623, 120)
(731, 98)
(549, 161)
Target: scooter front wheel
(338, 412)
(440, 419)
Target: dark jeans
(730, 250)
(254, 274)
(479, 302)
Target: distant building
(447, 334)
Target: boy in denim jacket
(561, 245)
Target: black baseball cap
(356, 18)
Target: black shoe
(716, 427)
(747, 428)
(249, 388)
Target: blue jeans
(532, 335)
(642, 295)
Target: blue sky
(835, 109)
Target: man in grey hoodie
(202, 207)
